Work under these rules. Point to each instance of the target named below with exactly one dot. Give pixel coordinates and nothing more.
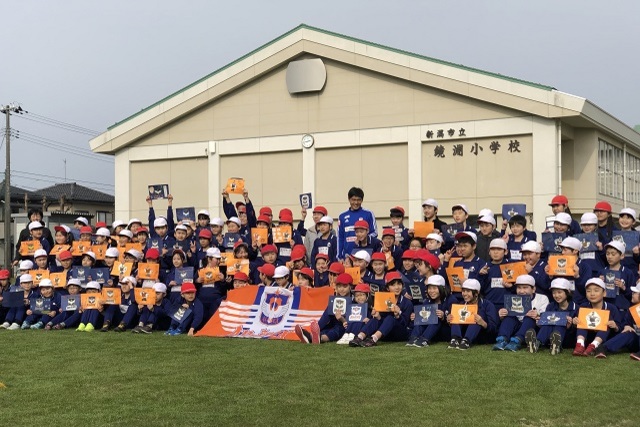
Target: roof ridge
(309, 27)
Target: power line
(61, 144)
(31, 113)
(59, 126)
(62, 148)
(58, 177)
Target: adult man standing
(347, 220)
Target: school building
(320, 112)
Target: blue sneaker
(501, 344)
(169, 331)
(514, 345)
(174, 332)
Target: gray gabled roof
(74, 192)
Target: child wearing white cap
(511, 334)
(628, 233)
(494, 288)
(595, 294)
(437, 293)
(564, 333)
(326, 241)
(124, 314)
(45, 306)
(16, 315)
(486, 319)
(595, 259)
(571, 246)
(617, 277)
(150, 315)
(91, 318)
(629, 338)
(67, 319)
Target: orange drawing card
(145, 296)
(593, 319)
(422, 228)
(463, 314)
(111, 296)
(456, 278)
(235, 186)
(384, 301)
(562, 265)
(282, 234)
(512, 270)
(148, 271)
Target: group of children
(187, 269)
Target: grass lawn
(72, 378)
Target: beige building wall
(187, 180)
(380, 170)
(273, 179)
(353, 98)
(485, 180)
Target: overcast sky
(91, 64)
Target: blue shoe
(501, 344)
(168, 332)
(514, 345)
(174, 332)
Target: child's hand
(439, 313)
(484, 270)
(224, 193)
(547, 269)
(412, 317)
(503, 313)
(576, 321)
(170, 199)
(569, 322)
(199, 280)
(448, 255)
(449, 318)
(480, 321)
(303, 213)
(29, 312)
(245, 194)
(612, 325)
(338, 314)
(636, 250)
(140, 306)
(192, 247)
(173, 283)
(599, 245)
(52, 313)
(149, 201)
(533, 313)
(375, 314)
(628, 329)
(507, 285)
(620, 283)
(190, 333)
(150, 307)
(185, 305)
(504, 225)
(576, 274)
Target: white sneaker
(5, 325)
(346, 339)
(13, 327)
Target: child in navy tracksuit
(594, 259)
(16, 315)
(192, 321)
(91, 318)
(617, 277)
(326, 242)
(68, 319)
(494, 288)
(401, 233)
(518, 237)
(392, 325)
(595, 293)
(630, 260)
(563, 334)
(178, 260)
(124, 314)
(486, 319)
(36, 319)
(360, 296)
(629, 337)
(571, 246)
(321, 271)
(151, 315)
(437, 293)
(331, 326)
(391, 251)
(514, 329)
(471, 264)
(212, 293)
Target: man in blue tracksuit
(347, 220)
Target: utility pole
(7, 110)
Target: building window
(614, 175)
(102, 216)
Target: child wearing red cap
(4, 287)
(321, 267)
(391, 250)
(392, 325)
(360, 296)
(377, 270)
(266, 275)
(335, 269)
(331, 326)
(305, 277)
(193, 315)
(284, 249)
(605, 221)
(363, 239)
(199, 252)
(559, 204)
(240, 280)
(400, 232)
(269, 256)
(325, 242)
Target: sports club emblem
(425, 313)
(274, 305)
(516, 305)
(356, 314)
(464, 313)
(593, 320)
(562, 262)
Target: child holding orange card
(91, 317)
(391, 325)
(125, 313)
(628, 338)
(331, 325)
(486, 319)
(595, 292)
(150, 315)
(211, 292)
